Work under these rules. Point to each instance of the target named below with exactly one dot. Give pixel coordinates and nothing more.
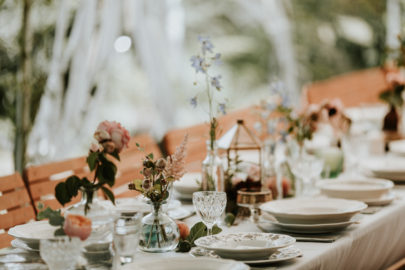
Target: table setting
(307, 192)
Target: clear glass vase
(97, 248)
(159, 233)
(212, 169)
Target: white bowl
(313, 210)
(355, 189)
(188, 184)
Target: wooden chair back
(42, 180)
(131, 163)
(15, 206)
(354, 89)
(198, 135)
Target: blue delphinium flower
(216, 83)
(217, 59)
(193, 101)
(206, 45)
(222, 108)
(198, 63)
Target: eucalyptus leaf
(72, 185)
(59, 232)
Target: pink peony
(77, 226)
(112, 132)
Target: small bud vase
(159, 233)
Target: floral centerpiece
(159, 232)
(111, 138)
(212, 171)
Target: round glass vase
(212, 169)
(102, 221)
(159, 233)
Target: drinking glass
(209, 206)
(126, 237)
(306, 169)
(60, 253)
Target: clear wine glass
(209, 206)
(60, 252)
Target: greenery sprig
(198, 230)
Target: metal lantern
(243, 148)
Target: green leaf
(106, 172)
(138, 184)
(92, 160)
(183, 246)
(199, 230)
(150, 156)
(54, 216)
(73, 184)
(109, 194)
(62, 194)
(59, 232)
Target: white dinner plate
(313, 210)
(355, 188)
(245, 246)
(397, 147)
(32, 232)
(17, 243)
(383, 200)
(281, 255)
(266, 225)
(388, 167)
(186, 263)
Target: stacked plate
(139, 205)
(387, 167)
(372, 191)
(310, 215)
(251, 248)
(187, 185)
(397, 147)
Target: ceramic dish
(245, 246)
(388, 167)
(186, 263)
(188, 184)
(306, 228)
(30, 233)
(355, 189)
(397, 147)
(313, 210)
(383, 200)
(281, 255)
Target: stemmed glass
(209, 206)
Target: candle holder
(253, 200)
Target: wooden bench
(42, 180)
(353, 89)
(131, 163)
(15, 206)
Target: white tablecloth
(375, 243)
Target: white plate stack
(312, 215)
(372, 191)
(387, 167)
(252, 248)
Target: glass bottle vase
(212, 169)
(159, 233)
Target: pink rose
(77, 226)
(112, 132)
(94, 147)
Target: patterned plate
(281, 255)
(245, 246)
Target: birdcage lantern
(244, 154)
